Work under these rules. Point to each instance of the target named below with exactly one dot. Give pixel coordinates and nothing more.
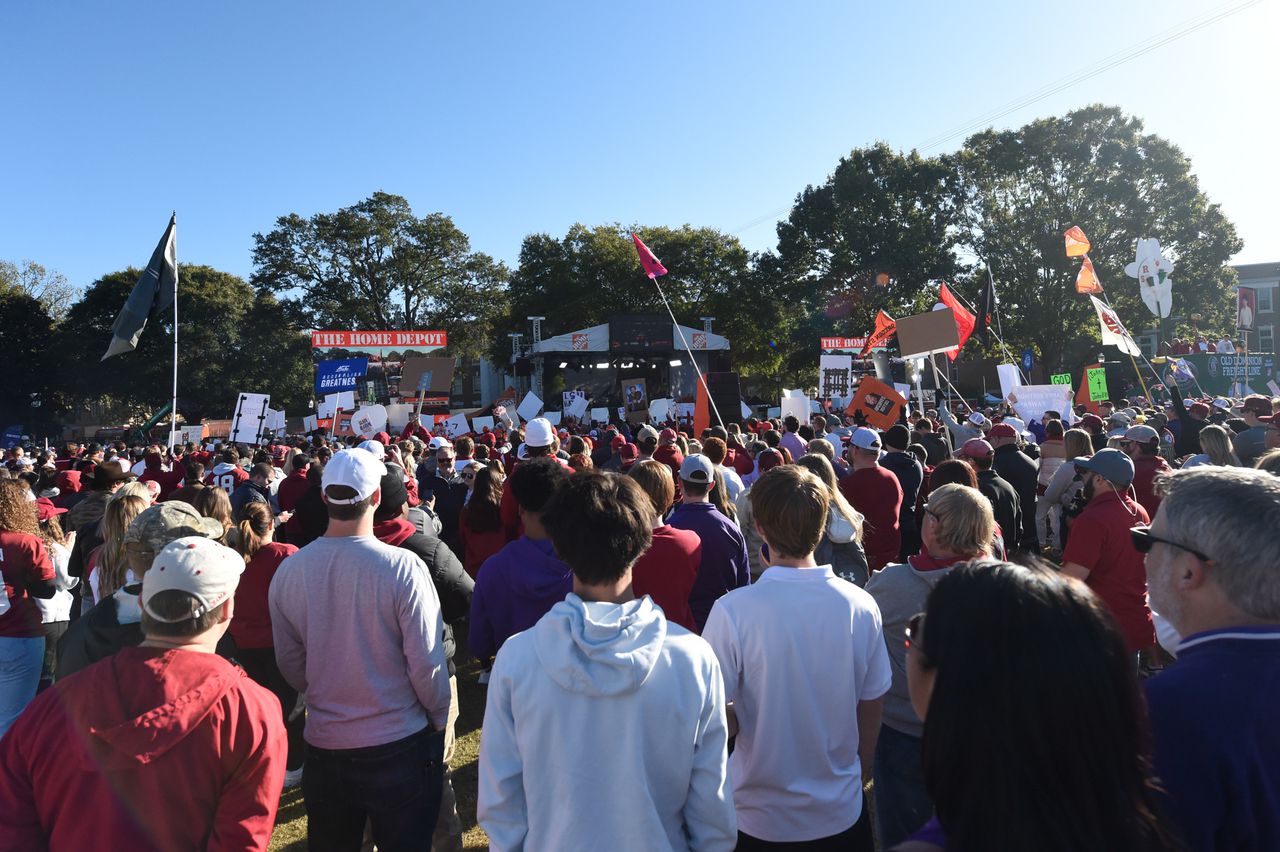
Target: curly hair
(17, 513)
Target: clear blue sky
(516, 118)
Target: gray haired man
(1213, 570)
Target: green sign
(1098, 384)
(1060, 379)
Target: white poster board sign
(191, 434)
(660, 409)
(398, 416)
(529, 406)
(370, 420)
(577, 408)
(684, 410)
(600, 415)
(570, 396)
(1032, 401)
(553, 417)
(249, 418)
(1010, 381)
(834, 375)
(795, 406)
(746, 410)
(309, 423)
(456, 426)
(345, 400)
(479, 424)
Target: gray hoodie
(605, 729)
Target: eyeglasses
(930, 512)
(913, 628)
(1143, 541)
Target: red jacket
(1145, 471)
(251, 625)
(478, 546)
(149, 749)
(666, 571)
(170, 480)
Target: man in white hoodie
(605, 723)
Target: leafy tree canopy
(375, 265)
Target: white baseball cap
(375, 447)
(976, 418)
(201, 567)
(357, 469)
(865, 439)
(437, 442)
(697, 468)
(539, 432)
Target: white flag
(1113, 331)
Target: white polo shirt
(798, 650)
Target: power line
(1049, 89)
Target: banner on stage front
(1223, 375)
(837, 344)
(343, 374)
(379, 339)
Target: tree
(375, 265)
(593, 273)
(48, 286)
(1019, 190)
(228, 342)
(27, 392)
(872, 237)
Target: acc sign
(333, 376)
(376, 339)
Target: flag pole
(173, 413)
(701, 378)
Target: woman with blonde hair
(108, 563)
(841, 543)
(1216, 447)
(1062, 489)
(958, 525)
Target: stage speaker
(726, 395)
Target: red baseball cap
(1003, 430)
(977, 448)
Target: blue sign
(1028, 360)
(341, 375)
(12, 437)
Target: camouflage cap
(160, 524)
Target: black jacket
(1188, 441)
(450, 496)
(910, 475)
(1004, 503)
(98, 633)
(453, 584)
(1018, 470)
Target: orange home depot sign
(396, 339)
(843, 343)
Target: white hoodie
(605, 729)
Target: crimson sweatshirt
(149, 749)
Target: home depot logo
(580, 342)
(699, 340)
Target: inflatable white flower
(1154, 272)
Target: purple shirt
(514, 588)
(724, 564)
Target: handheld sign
(1097, 384)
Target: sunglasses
(913, 628)
(930, 512)
(1143, 541)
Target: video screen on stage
(640, 333)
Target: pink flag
(652, 266)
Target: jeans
(396, 787)
(20, 662)
(902, 803)
(855, 838)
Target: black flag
(155, 291)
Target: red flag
(965, 321)
(886, 327)
(652, 266)
(1076, 242)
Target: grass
(291, 819)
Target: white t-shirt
(798, 649)
(1226, 347)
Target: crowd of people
(963, 632)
